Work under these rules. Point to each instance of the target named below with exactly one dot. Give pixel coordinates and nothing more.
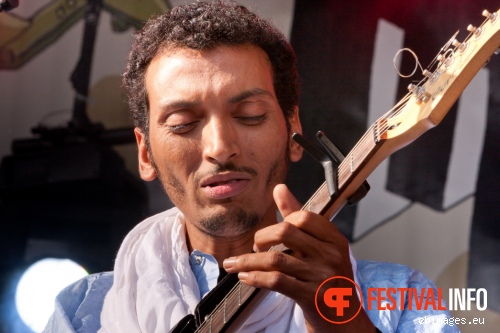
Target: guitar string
(361, 143)
(444, 50)
(244, 292)
(236, 291)
(230, 298)
(417, 63)
(220, 310)
(221, 307)
(383, 130)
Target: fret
(239, 294)
(308, 205)
(355, 160)
(218, 318)
(376, 131)
(351, 160)
(225, 304)
(318, 201)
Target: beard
(238, 221)
(232, 221)
(229, 224)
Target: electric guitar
(228, 305)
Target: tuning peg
(460, 46)
(421, 96)
(431, 76)
(471, 28)
(491, 16)
(476, 31)
(424, 97)
(419, 92)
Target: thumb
(285, 200)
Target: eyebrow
(249, 93)
(178, 105)
(233, 100)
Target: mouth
(223, 186)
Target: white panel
(380, 205)
(468, 139)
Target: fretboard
(319, 203)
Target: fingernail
(242, 276)
(229, 263)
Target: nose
(220, 141)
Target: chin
(230, 223)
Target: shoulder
(398, 298)
(78, 306)
(384, 274)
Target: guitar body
(186, 325)
(213, 301)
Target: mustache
(230, 166)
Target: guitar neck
(241, 299)
(421, 109)
(347, 177)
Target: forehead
(179, 66)
(247, 51)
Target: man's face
(218, 138)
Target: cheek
(176, 154)
(275, 145)
(176, 160)
(267, 151)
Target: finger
(285, 200)
(319, 227)
(300, 230)
(303, 293)
(288, 234)
(281, 283)
(273, 261)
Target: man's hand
(319, 251)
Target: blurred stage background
(68, 182)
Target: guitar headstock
(444, 80)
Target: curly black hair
(205, 26)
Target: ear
(146, 169)
(295, 127)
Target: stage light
(39, 286)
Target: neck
(223, 247)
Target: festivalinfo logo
(339, 299)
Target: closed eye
(251, 121)
(182, 128)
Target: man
(213, 91)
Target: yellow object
(22, 39)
